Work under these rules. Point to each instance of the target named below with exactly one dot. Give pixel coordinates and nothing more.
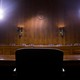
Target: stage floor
(65, 57)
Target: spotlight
(1, 17)
(1, 14)
(1, 11)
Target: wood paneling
(42, 30)
(37, 33)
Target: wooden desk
(7, 57)
(65, 57)
(7, 52)
(68, 50)
(71, 57)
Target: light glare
(63, 70)
(1, 16)
(14, 70)
(1, 11)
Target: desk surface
(65, 57)
(71, 57)
(7, 57)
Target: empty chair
(39, 63)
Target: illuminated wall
(40, 21)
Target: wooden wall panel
(43, 31)
(35, 33)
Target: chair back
(38, 63)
